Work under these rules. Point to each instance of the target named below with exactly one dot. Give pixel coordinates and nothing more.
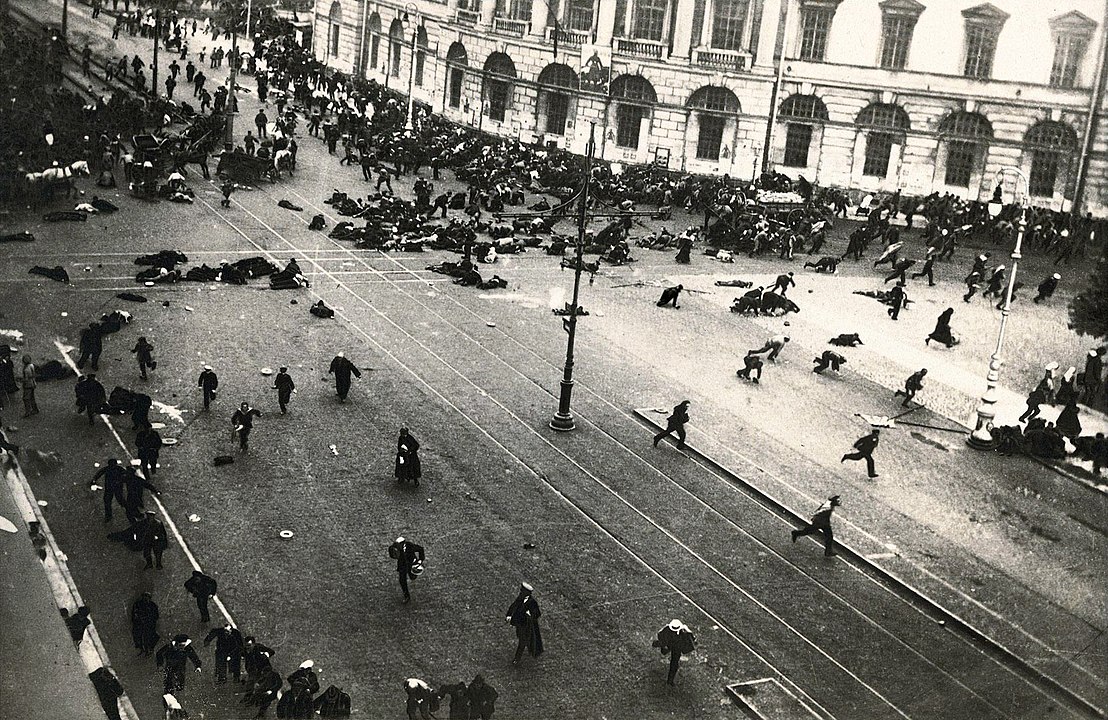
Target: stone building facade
(870, 94)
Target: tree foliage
(1089, 308)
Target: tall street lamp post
(232, 107)
(982, 438)
(563, 418)
(410, 8)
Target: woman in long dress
(407, 458)
(942, 332)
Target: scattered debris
(135, 298)
(221, 460)
(42, 503)
(286, 534)
(334, 450)
(194, 518)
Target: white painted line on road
(172, 526)
(881, 556)
(92, 653)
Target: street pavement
(624, 536)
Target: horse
(50, 178)
(282, 160)
(198, 157)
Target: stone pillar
(767, 34)
(683, 29)
(539, 11)
(605, 22)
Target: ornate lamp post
(409, 7)
(981, 438)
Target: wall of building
(929, 89)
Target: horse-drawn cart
(245, 169)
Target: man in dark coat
(228, 652)
(897, 298)
(91, 396)
(151, 536)
(523, 614)
(912, 385)
(203, 588)
(675, 423)
(144, 623)
(821, 522)
(670, 295)
(482, 699)
(1093, 377)
(174, 656)
(91, 345)
(675, 639)
(243, 422)
(863, 450)
(828, 359)
(144, 354)
(783, 282)
(135, 485)
(148, 445)
(1047, 288)
(255, 659)
(928, 269)
(108, 690)
(342, 369)
(284, 386)
(115, 478)
(406, 554)
(208, 382)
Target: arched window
(334, 24)
(885, 125)
(500, 74)
(966, 136)
(457, 59)
(396, 42)
(421, 54)
(800, 113)
(1051, 145)
(634, 97)
(714, 107)
(374, 39)
(557, 82)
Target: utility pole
(65, 20)
(157, 39)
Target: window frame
(888, 140)
(573, 14)
(967, 153)
(709, 136)
(979, 58)
(1065, 75)
(736, 32)
(458, 78)
(792, 146)
(811, 35)
(1041, 160)
(560, 102)
(624, 112)
(638, 23)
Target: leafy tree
(1089, 308)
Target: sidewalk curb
(92, 652)
(928, 606)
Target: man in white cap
(173, 656)
(524, 614)
(422, 700)
(676, 639)
(342, 369)
(208, 382)
(1047, 288)
(296, 702)
(407, 554)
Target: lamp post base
(562, 422)
(981, 439)
(563, 419)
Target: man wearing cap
(255, 659)
(243, 422)
(203, 588)
(296, 702)
(774, 346)
(821, 522)
(524, 614)
(208, 382)
(670, 295)
(912, 385)
(1093, 378)
(115, 476)
(91, 345)
(148, 446)
(863, 450)
(135, 485)
(422, 700)
(1047, 288)
(406, 555)
(342, 369)
(828, 359)
(151, 537)
(782, 283)
(228, 651)
(285, 387)
(174, 656)
(675, 639)
(675, 423)
(91, 396)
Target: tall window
(980, 48)
(815, 26)
(885, 126)
(879, 148)
(728, 23)
(396, 43)
(1052, 145)
(967, 136)
(1069, 51)
(500, 72)
(578, 15)
(802, 112)
(335, 25)
(634, 96)
(421, 54)
(1072, 34)
(456, 60)
(648, 20)
(798, 140)
(898, 22)
(374, 38)
(557, 111)
(714, 106)
(514, 9)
